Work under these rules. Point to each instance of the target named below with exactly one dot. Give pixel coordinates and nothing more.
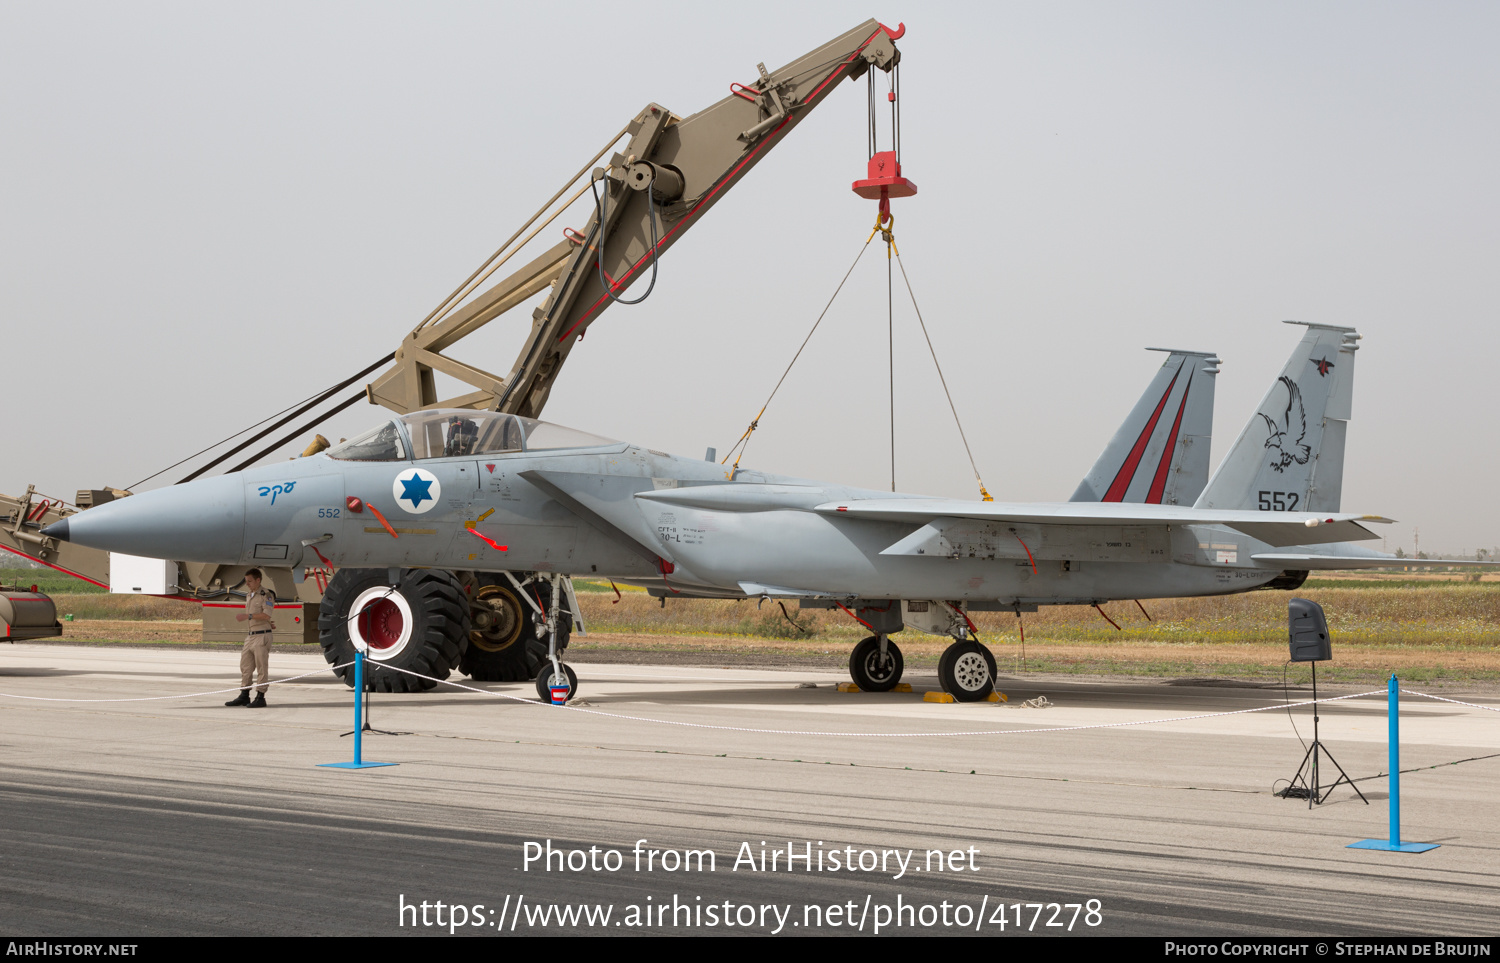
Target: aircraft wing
(1344, 562)
(1273, 528)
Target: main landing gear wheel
(503, 642)
(967, 671)
(873, 672)
(421, 625)
(546, 678)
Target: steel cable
(744, 441)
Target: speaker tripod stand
(1300, 785)
(363, 696)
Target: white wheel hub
(971, 672)
(380, 623)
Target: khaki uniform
(255, 657)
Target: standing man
(255, 657)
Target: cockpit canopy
(457, 432)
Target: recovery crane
(669, 172)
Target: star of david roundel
(416, 491)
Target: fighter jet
(523, 503)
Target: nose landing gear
(554, 674)
(548, 677)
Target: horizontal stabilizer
(1273, 528)
(1345, 562)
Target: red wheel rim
(380, 624)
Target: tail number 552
(1278, 501)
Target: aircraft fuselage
(458, 513)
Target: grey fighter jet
(523, 503)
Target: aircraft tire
(544, 681)
(967, 671)
(503, 643)
(869, 672)
(422, 626)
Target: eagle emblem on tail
(1282, 453)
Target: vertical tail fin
(1160, 454)
(1290, 457)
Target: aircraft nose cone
(202, 521)
(57, 530)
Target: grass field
(1429, 630)
(48, 580)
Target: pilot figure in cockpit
(462, 433)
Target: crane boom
(672, 170)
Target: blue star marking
(416, 489)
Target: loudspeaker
(1307, 631)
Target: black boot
(260, 701)
(243, 699)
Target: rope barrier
(190, 695)
(1456, 702)
(780, 732)
(877, 735)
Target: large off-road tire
(504, 643)
(872, 673)
(967, 671)
(421, 625)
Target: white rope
(882, 735)
(190, 695)
(777, 732)
(1471, 705)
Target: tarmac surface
(182, 817)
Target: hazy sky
(210, 211)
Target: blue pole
(359, 696)
(1393, 713)
(359, 707)
(1393, 722)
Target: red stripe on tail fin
(1126, 474)
(1159, 483)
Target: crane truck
(662, 173)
